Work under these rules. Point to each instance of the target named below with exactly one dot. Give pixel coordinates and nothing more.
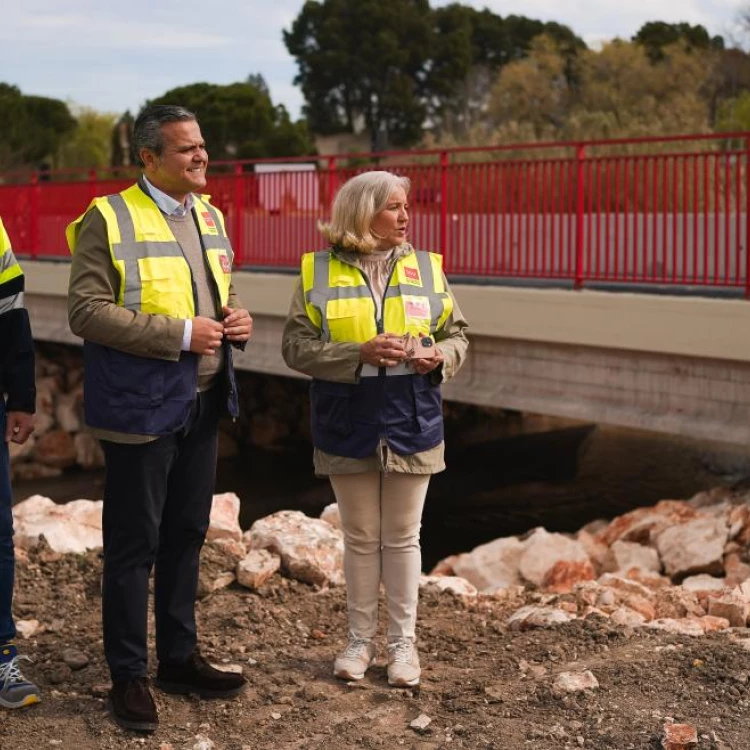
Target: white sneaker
(353, 661)
(403, 663)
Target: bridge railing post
(747, 219)
(444, 160)
(580, 200)
(238, 241)
(34, 211)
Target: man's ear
(148, 157)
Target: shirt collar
(166, 203)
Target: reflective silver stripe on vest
(14, 302)
(322, 293)
(428, 288)
(130, 252)
(370, 371)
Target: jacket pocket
(132, 382)
(428, 402)
(332, 407)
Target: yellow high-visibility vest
(9, 268)
(154, 275)
(339, 301)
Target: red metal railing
(657, 211)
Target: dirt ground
(482, 686)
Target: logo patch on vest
(417, 309)
(209, 221)
(411, 273)
(225, 263)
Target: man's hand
(423, 366)
(18, 426)
(206, 336)
(238, 325)
(385, 350)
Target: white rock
(680, 626)
(311, 550)
(623, 556)
(703, 582)
(625, 617)
(493, 565)
(257, 567)
(421, 722)
(331, 515)
(225, 514)
(201, 742)
(574, 682)
(27, 628)
(73, 527)
(533, 616)
(694, 547)
(453, 584)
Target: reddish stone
(640, 524)
(679, 737)
(565, 574)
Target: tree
(239, 121)
(363, 64)
(398, 66)
(534, 90)
(33, 128)
(656, 35)
(472, 46)
(89, 145)
(618, 92)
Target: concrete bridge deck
(673, 364)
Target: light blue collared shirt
(169, 206)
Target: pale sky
(113, 56)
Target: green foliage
(393, 66)
(239, 120)
(363, 62)
(89, 145)
(33, 128)
(656, 35)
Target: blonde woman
(377, 420)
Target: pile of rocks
(680, 566)
(59, 441)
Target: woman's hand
(385, 350)
(423, 366)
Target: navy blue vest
(141, 395)
(349, 419)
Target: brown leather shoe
(197, 676)
(132, 705)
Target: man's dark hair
(147, 128)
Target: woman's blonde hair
(356, 205)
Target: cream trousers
(381, 514)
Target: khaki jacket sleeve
(92, 310)
(452, 341)
(303, 350)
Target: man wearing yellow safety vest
(16, 425)
(152, 297)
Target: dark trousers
(7, 559)
(157, 503)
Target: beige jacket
(304, 351)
